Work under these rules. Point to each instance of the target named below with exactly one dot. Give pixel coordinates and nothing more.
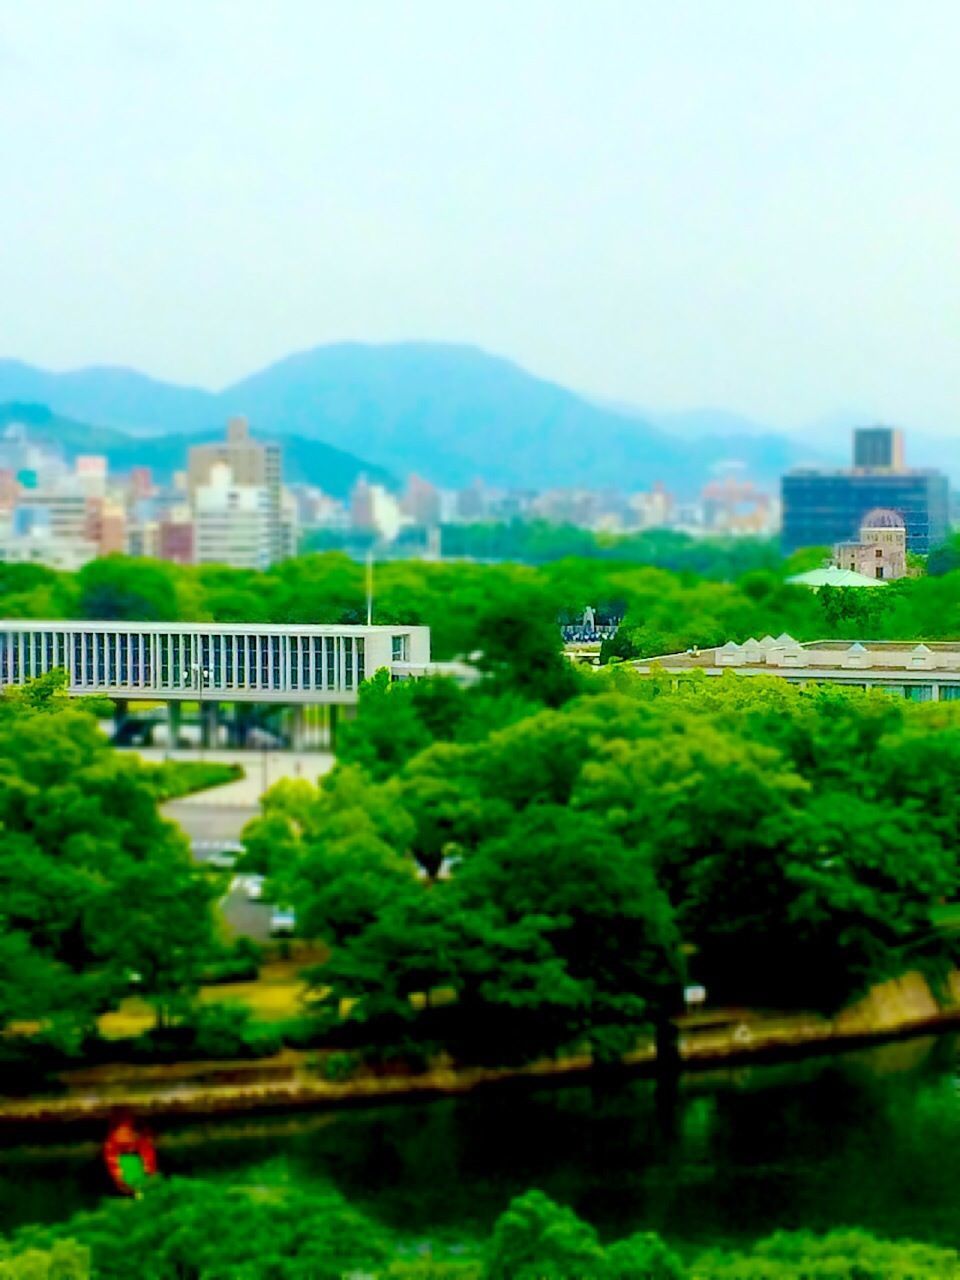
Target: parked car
(221, 854)
(283, 922)
(253, 886)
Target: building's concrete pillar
(243, 721)
(209, 723)
(120, 715)
(298, 736)
(174, 711)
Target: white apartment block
(233, 523)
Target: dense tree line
(98, 896)
(183, 1230)
(550, 884)
(665, 605)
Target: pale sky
(752, 204)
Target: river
(868, 1138)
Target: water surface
(868, 1138)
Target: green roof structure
(833, 577)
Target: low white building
(919, 672)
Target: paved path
(261, 768)
(221, 813)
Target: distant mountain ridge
(450, 413)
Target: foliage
(672, 591)
(174, 778)
(183, 1229)
(65, 1260)
(793, 843)
(275, 1230)
(536, 1239)
(94, 886)
(121, 588)
(855, 1254)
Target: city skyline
(743, 206)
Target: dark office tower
(822, 508)
(879, 448)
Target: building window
(401, 649)
(317, 662)
(919, 692)
(348, 662)
(360, 660)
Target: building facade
(878, 448)
(232, 523)
(824, 508)
(881, 551)
(230, 663)
(918, 672)
(251, 464)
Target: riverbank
(293, 1080)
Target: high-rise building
(823, 508)
(232, 523)
(421, 501)
(175, 538)
(252, 465)
(375, 509)
(106, 526)
(878, 448)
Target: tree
(123, 588)
(945, 558)
(552, 936)
(94, 886)
(801, 1255)
(521, 649)
(66, 1260)
(537, 1239)
(388, 729)
(260, 1231)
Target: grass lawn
(273, 997)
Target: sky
(752, 204)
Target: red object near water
(130, 1156)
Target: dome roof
(882, 518)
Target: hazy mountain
(455, 413)
(312, 461)
(451, 413)
(692, 424)
(112, 397)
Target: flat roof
(208, 628)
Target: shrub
(339, 1066)
(174, 778)
(238, 963)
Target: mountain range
(450, 413)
